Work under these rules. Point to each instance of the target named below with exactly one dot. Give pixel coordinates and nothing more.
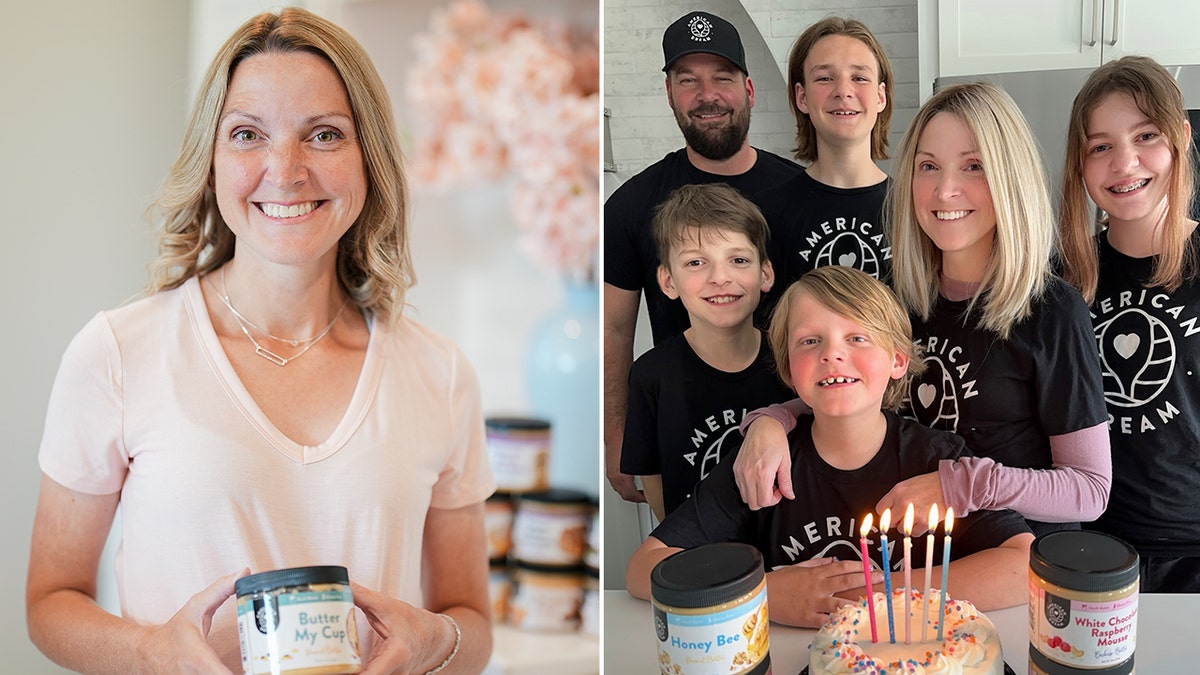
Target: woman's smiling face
(287, 166)
(951, 196)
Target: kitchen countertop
(1163, 619)
(518, 652)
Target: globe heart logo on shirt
(1126, 344)
(847, 259)
(926, 393)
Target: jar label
(1080, 633)
(497, 523)
(549, 537)
(282, 632)
(718, 643)
(520, 464)
(552, 606)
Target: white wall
(92, 107)
(643, 129)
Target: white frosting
(970, 645)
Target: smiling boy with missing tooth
(843, 342)
(688, 394)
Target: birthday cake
(969, 643)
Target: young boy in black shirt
(689, 393)
(843, 342)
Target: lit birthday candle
(884, 521)
(933, 521)
(908, 524)
(945, 570)
(862, 544)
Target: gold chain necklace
(245, 324)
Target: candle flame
(933, 518)
(949, 520)
(908, 520)
(866, 526)
(884, 521)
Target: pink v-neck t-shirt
(147, 404)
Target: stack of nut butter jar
(541, 539)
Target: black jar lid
(569, 570)
(556, 496)
(293, 576)
(1052, 667)
(707, 575)
(1083, 560)
(517, 423)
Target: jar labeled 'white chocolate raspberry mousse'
(1083, 602)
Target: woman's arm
(454, 579)
(763, 466)
(1076, 489)
(64, 621)
(455, 574)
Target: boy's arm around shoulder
(637, 574)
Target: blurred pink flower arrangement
(504, 96)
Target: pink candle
(933, 521)
(908, 524)
(862, 545)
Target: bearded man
(711, 94)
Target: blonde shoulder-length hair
(1158, 97)
(373, 262)
(1018, 269)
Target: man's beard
(715, 143)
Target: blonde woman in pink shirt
(267, 404)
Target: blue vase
(563, 376)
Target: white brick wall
(642, 128)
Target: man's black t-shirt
(630, 256)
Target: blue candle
(945, 570)
(884, 521)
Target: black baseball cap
(703, 33)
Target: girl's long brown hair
(1157, 95)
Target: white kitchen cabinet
(977, 37)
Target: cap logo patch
(701, 29)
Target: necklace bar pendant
(270, 355)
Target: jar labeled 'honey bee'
(710, 611)
(298, 621)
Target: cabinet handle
(1116, 21)
(1095, 17)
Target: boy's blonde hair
(861, 298)
(711, 208)
(1018, 270)
(1158, 97)
(806, 134)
